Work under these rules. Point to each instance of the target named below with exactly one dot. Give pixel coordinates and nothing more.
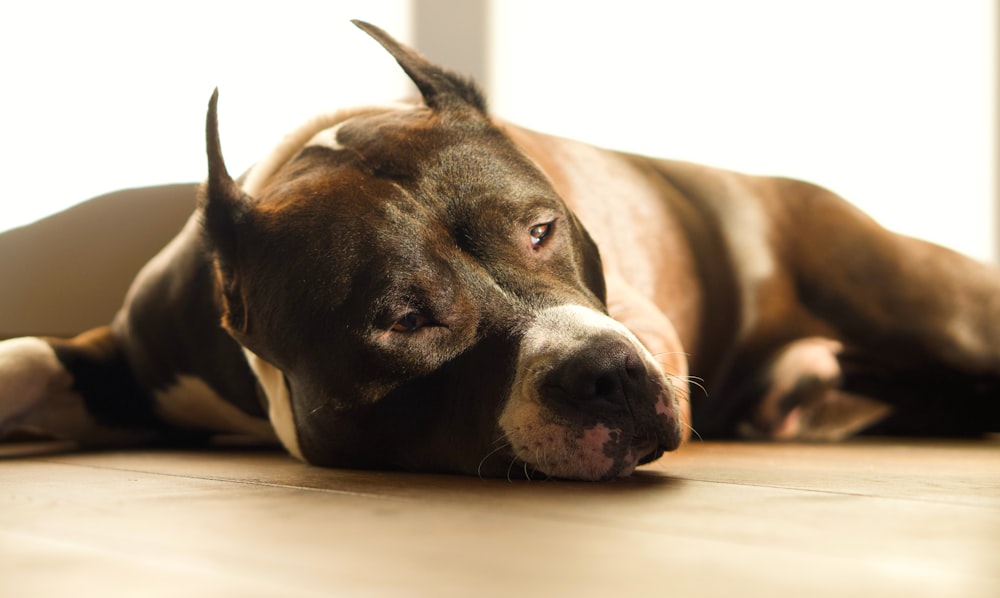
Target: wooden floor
(860, 519)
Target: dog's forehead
(407, 193)
(449, 157)
(412, 165)
(389, 131)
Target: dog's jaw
(578, 440)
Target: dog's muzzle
(588, 400)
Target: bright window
(890, 103)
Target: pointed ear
(227, 215)
(439, 87)
(223, 204)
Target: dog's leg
(30, 373)
(79, 389)
(803, 397)
(911, 315)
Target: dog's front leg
(78, 389)
(30, 374)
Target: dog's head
(415, 289)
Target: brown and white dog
(424, 287)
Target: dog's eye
(410, 322)
(539, 232)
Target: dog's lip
(648, 451)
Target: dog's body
(418, 286)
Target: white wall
(888, 102)
(102, 94)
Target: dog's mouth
(636, 454)
(641, 453)
(650, 451)
(546, 445)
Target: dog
(425, 287)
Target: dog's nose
(602, 374)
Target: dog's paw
(30, 372)
(805, 401)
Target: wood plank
(716, 519)
(958, 472)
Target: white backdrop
(107, 94)
(890, 103)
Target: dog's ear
(439, 87)
(226, 215)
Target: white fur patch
(326, 138)
(191, 403)
(293, 143)
(36, 394)
(30, 373)
(563, 328)
(279, 401)
(814, 356)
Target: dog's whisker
(670, 353)
(691, 381)
(693, 431)
(479, 469)
(539, 461)
(510, 467)
(698, 382)
(685, 394)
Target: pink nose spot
(591, 446)
(663, 407)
